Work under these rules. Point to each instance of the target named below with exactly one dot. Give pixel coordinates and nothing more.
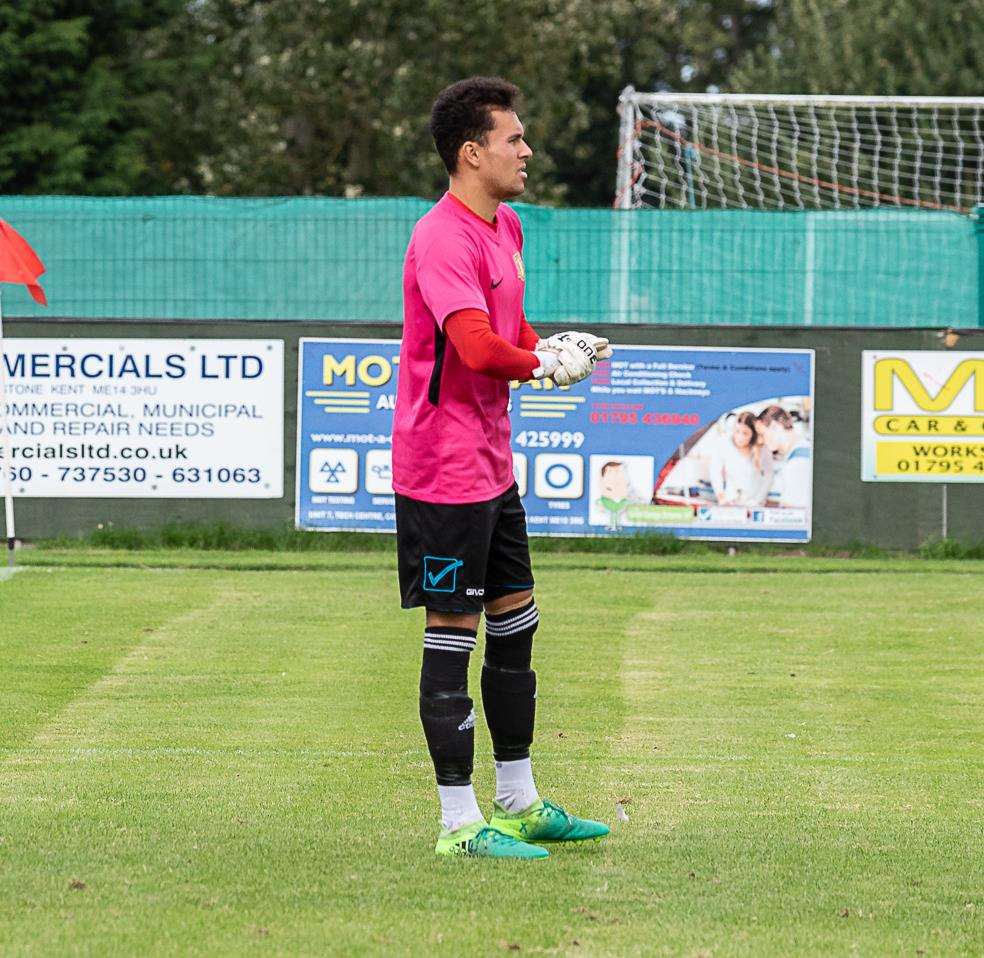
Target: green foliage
(339, 94)
(272, 97)
(228, 537)
(78, 90)
(873, 47)
(951, 549)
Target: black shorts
(454, 558)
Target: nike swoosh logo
(497, 285)
(434, 579)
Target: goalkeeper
(461, 528)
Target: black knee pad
(449, 727)
(509, 700)
(443, 672)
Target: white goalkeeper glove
(548, 361)
(577, 357)
(602, 349)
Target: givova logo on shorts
(441, 573)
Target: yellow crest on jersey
(520, 269)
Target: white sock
(458, 806)
(514, 788)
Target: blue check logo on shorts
(441, 573)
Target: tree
(76, 87)
(260, 97)
(688, 46)
(333, 97)
(874, 47)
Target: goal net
(832, 210)
(766, 152)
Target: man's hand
(548, 361)
(602, 348)
(555, 342)
(575, 354)
(577, 358)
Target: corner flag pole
(18, 264)
(6, 464)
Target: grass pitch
(202, 759)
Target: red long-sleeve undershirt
(482, 351)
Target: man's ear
(469, 154)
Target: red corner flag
(19, 263)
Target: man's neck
(476, 199)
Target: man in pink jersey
(461, 526)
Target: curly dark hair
(463, 112)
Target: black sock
(446, 711)
(508, 682)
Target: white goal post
(772, 152)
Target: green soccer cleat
(479, 840)
(545, 822)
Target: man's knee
(509, 636)
(458, 620)
(506, 603)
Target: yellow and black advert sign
(922, 416)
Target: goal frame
(629, 194)
(632, 101)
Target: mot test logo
(366, 370)
(333, 470)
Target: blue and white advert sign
(145, 418)
(697, 442)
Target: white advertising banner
(922, 416)
(145, 418)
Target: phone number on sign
(937, 465)
(235, 475)
(549, 439)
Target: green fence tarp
(308, 258)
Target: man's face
(503, 156)
(776, 438)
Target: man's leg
(509, 689)
(508, 682)
(509, 695)
(442, 552)
(448, 715)
(448, 718)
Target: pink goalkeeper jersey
(451, 425)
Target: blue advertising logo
(441, 573)
(330, 471)
(558, 476)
